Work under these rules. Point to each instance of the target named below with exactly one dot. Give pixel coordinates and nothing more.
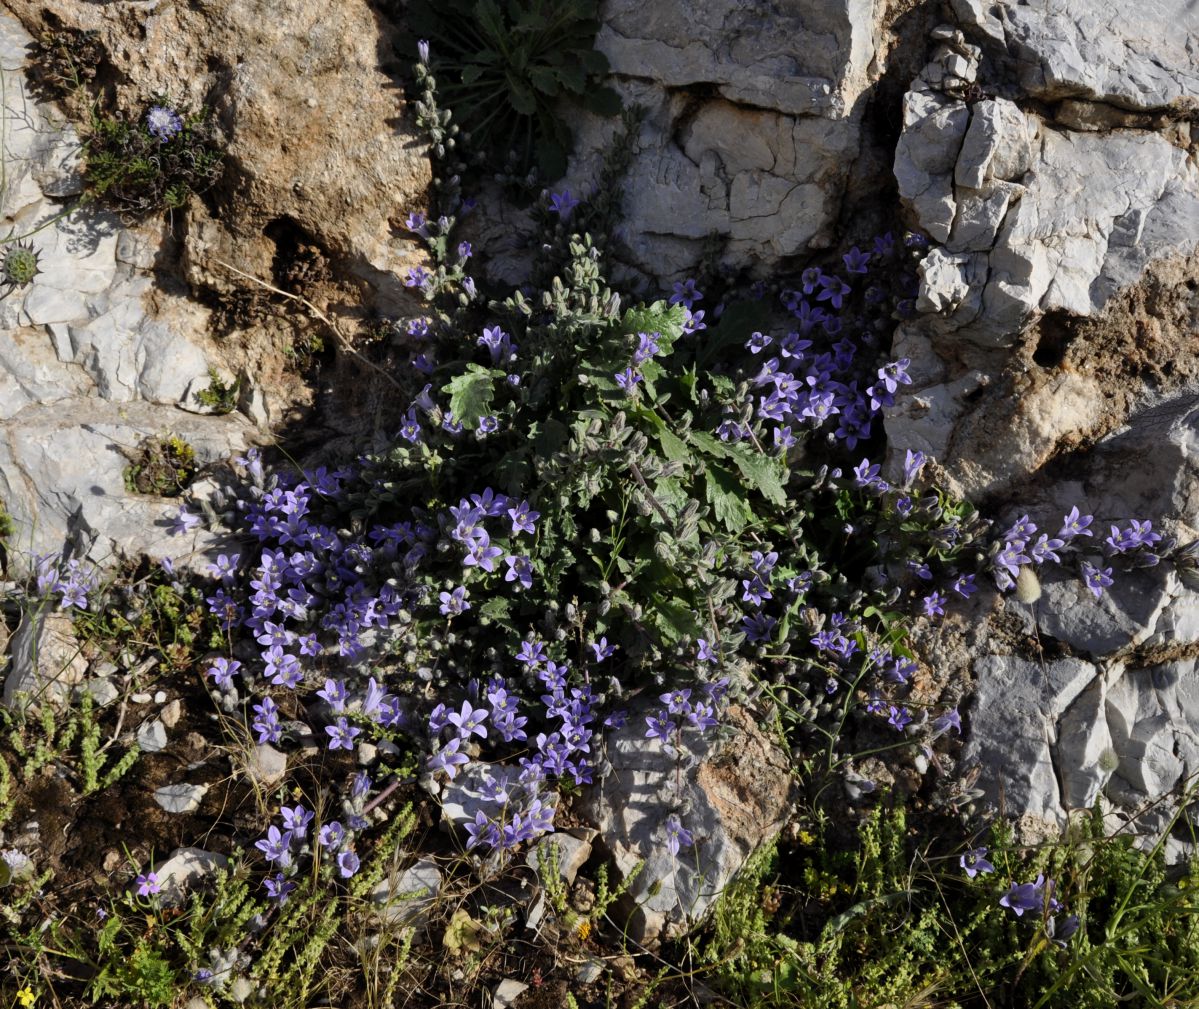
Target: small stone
(267, 766)
(180, 798)
(160, 696)
(506, 993)
(185, 867)
(409, 899)
(367, 753)
(589, 971)
(141, 697)
(152, 736)
(171, 713)
(572, 854)
(102, 689)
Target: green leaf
(673, 447)
(762, 472)
(723, 494)
(471, 393)
(674, 619)
(545, 80)
(667, 320)
(521, 97)
(471, 73)
(549, 436)
(496, 607)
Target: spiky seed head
(20, 265)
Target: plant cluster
(220, 397)
(508, 68)
(154, 162)
(163, 466)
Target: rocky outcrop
(733, 793)
(753, 125)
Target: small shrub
(164, 466)
(220, 397)
(506, 68)
(65, 61)
(154, 163)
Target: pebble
(152, 736)
(140, 698)
(506, 993)
(267, 765)
(103, 691)
(180, 798)
(171, 713)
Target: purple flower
(449, 758)
(693, 322)
(1096, 580)
(331, 835)
(482, 831)
(855, 260)
(647, 347)
(562, 204)
(532, 653)
(184, 523)
(163, 123)
(602, 649)
(222, 670)
(523, 519)
(964, 586)
(627, 379)
(147, 884)
(677, 836)
(267, 722)
(487, 425)
(275, 846)
(758, 627)
(660, 727)
(1063, 933)
(864, 474)
(834, 290)
(975, 861)
(934, 605)
(296, 820)
(519, 568)
(418, 276)
(341, 734)
(949, 720)
(1023, 897)
(685, 293)
(469, 720)
(334, 693)
(757, 342)
(278, 888)
(912, 464)
(811, 278)
(1075, 525)
(347, 864)
(676, 701)
(453, 603)
(894, 373)
(899, 718)
(422, 49)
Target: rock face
(733, 796)
(317, 145)
(1048, 243)
(93, 356)
(45, 660)
(1118, 723)
(762, 160)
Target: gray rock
(267, 766)
(152, 736)
(733, 798)
(1135, 56)
(102, 689)
(506, 993)
(45, 660)
(180, 798)
(408, 898)
(1013, 730)
(183, 869)
(571, 852)
(171, 713)
(590, 970)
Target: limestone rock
(571, 853)
(407, 898)
(152, 736)
(1133, 56)
(44, 659)
(183, 869)
(1013, 730)
(734, 798)
(180, 798)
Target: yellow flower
(806, 837)
(583, 929)
(26, 997)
